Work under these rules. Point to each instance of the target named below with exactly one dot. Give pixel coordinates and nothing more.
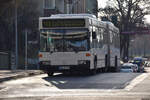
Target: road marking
(53, 91)
(62, 94)
(136, 81)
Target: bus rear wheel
(116, 64)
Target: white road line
(98, 94)
(136, 81)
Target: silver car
(127, 67)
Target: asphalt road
(99, 81)
(100, 86)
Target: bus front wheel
(93, 72)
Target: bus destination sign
(54, 23)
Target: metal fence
(4, 60)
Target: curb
(22, 75)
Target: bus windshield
(65, 41)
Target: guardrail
(4, 60)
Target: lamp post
(26, 49)
(16, 34)
(144, 48)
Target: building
(68, 6)
(91, 7)
(53, 7)
(79, 6)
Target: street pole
(26, 49)
(144, 48)
(16, 33)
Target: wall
(91, 6)
(79, 7)
(60, 5)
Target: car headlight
(81, 62)
(46, 63)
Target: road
(105, 86)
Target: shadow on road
(98, 81)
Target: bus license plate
(64, 68)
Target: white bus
(78, 43)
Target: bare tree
(129, 13)
(28, 15)
(5, 24)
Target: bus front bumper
(63, 68)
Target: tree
(129, 13)
(28, 15)
(5, 24)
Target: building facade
(68, 6)
(79, 6)
(91, 7)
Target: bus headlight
(46, 63)
(80, 62)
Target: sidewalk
(6, 75)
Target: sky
(147, 18)
(102, 3)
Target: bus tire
(116, 63)
(93, 72)
(95, 62)
(106, 63)
(95, 66)
(50, 73)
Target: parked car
(127, 67)
(130, 61)
(135, 67)
(148, 64)
(140, 62)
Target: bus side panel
(100, 58)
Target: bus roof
(73, 15)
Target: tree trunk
(125, 42)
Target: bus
(78, 43)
